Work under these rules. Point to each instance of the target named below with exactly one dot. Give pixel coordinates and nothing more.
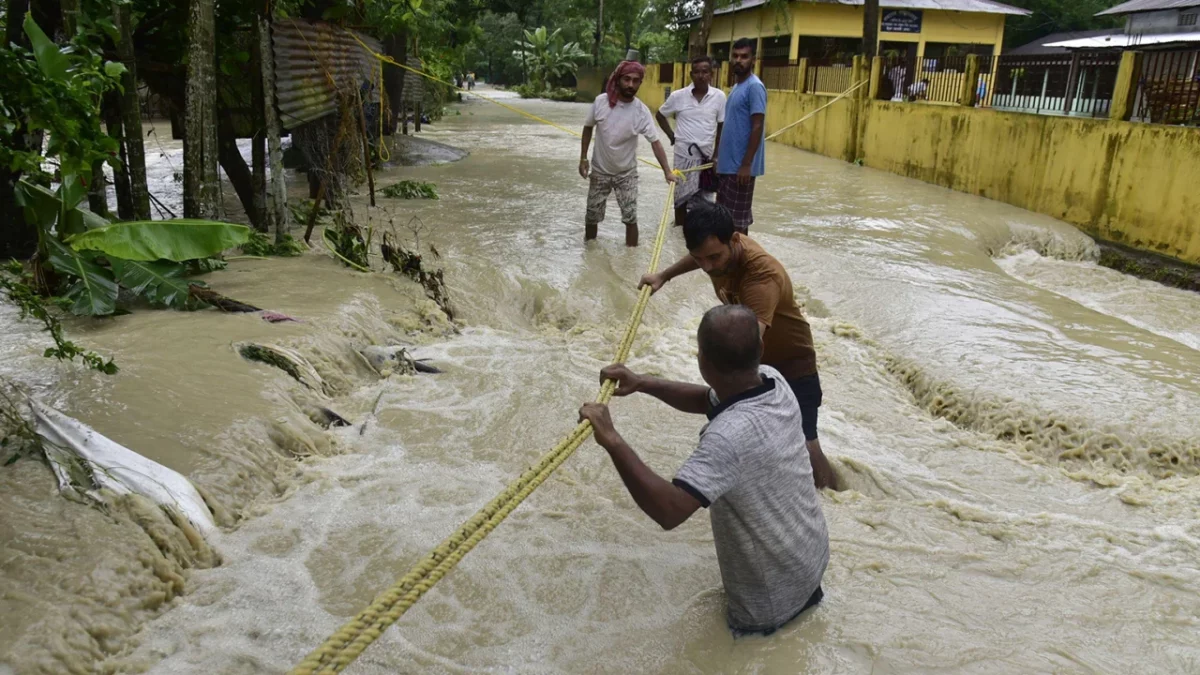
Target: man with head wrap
(618, 118)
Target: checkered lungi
(599, 187)
(737, 198)
(689, 185)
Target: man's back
(753, 472)
(760, 282)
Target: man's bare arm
(655, 281)
(583, 151)
(665, 125)
(682, 396)
(658, 498)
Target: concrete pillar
(1126, 88)
(859, 72)
(970, 83)
(802, 75)
(758, 61)
(876, 74)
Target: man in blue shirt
(740, 154)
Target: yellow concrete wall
(1130, 183)
(1126, 182)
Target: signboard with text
(902, 21)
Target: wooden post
(1072, 84)
(970, 83)
(1126, 89)
(366, 147)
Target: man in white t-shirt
(618, 118)
(699, 111)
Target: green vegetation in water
(18, 438)
(348, 243)
(19, 288)
(262, 245)
(411, 189)
(270, 357)
(1167, 272)
(557, 94)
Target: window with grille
(1188, 19)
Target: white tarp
(70, 444)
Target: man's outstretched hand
(654, 281)
(602, 424)
(628, 382)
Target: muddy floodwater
(1016, 426)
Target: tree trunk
(258, 141)
(18, 239)
(131, 114)
(235, 167)
(276, 204)
(393, 78)
(599, 34)
(870, 45)
(111, 107)
(96, 193)
(699, 42)
(201, 186)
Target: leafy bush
(262, 245)
(561, 94)
(558, 94)
(411, 189)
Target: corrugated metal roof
(978, 6)
(313, 60)
(1040, 46)
(1148, 6)
(1121, 40)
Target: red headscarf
(625, 68)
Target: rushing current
(1016, 428)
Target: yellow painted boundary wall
(1127, 182)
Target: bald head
(729, 339)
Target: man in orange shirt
(743, 273)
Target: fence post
(802, 75)
(876, 74)
(858, 72)
(970, 83)
(1125, 90)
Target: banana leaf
(150, 240)
(94, 292)
(161, 283)
(43, 206)
(53, 62)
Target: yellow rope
(349, 641)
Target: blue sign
(902, 21)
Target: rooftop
(1039, 46)
(1123, 41)
(977, 6)
(1134, 6)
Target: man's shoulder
(755, 257)
(601, 97)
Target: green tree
(1056, 16)
(548, 57)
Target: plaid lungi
(689, 185)
(737, 198)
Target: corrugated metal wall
(313, 60)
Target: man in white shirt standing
(618, 118)
(699, 111)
